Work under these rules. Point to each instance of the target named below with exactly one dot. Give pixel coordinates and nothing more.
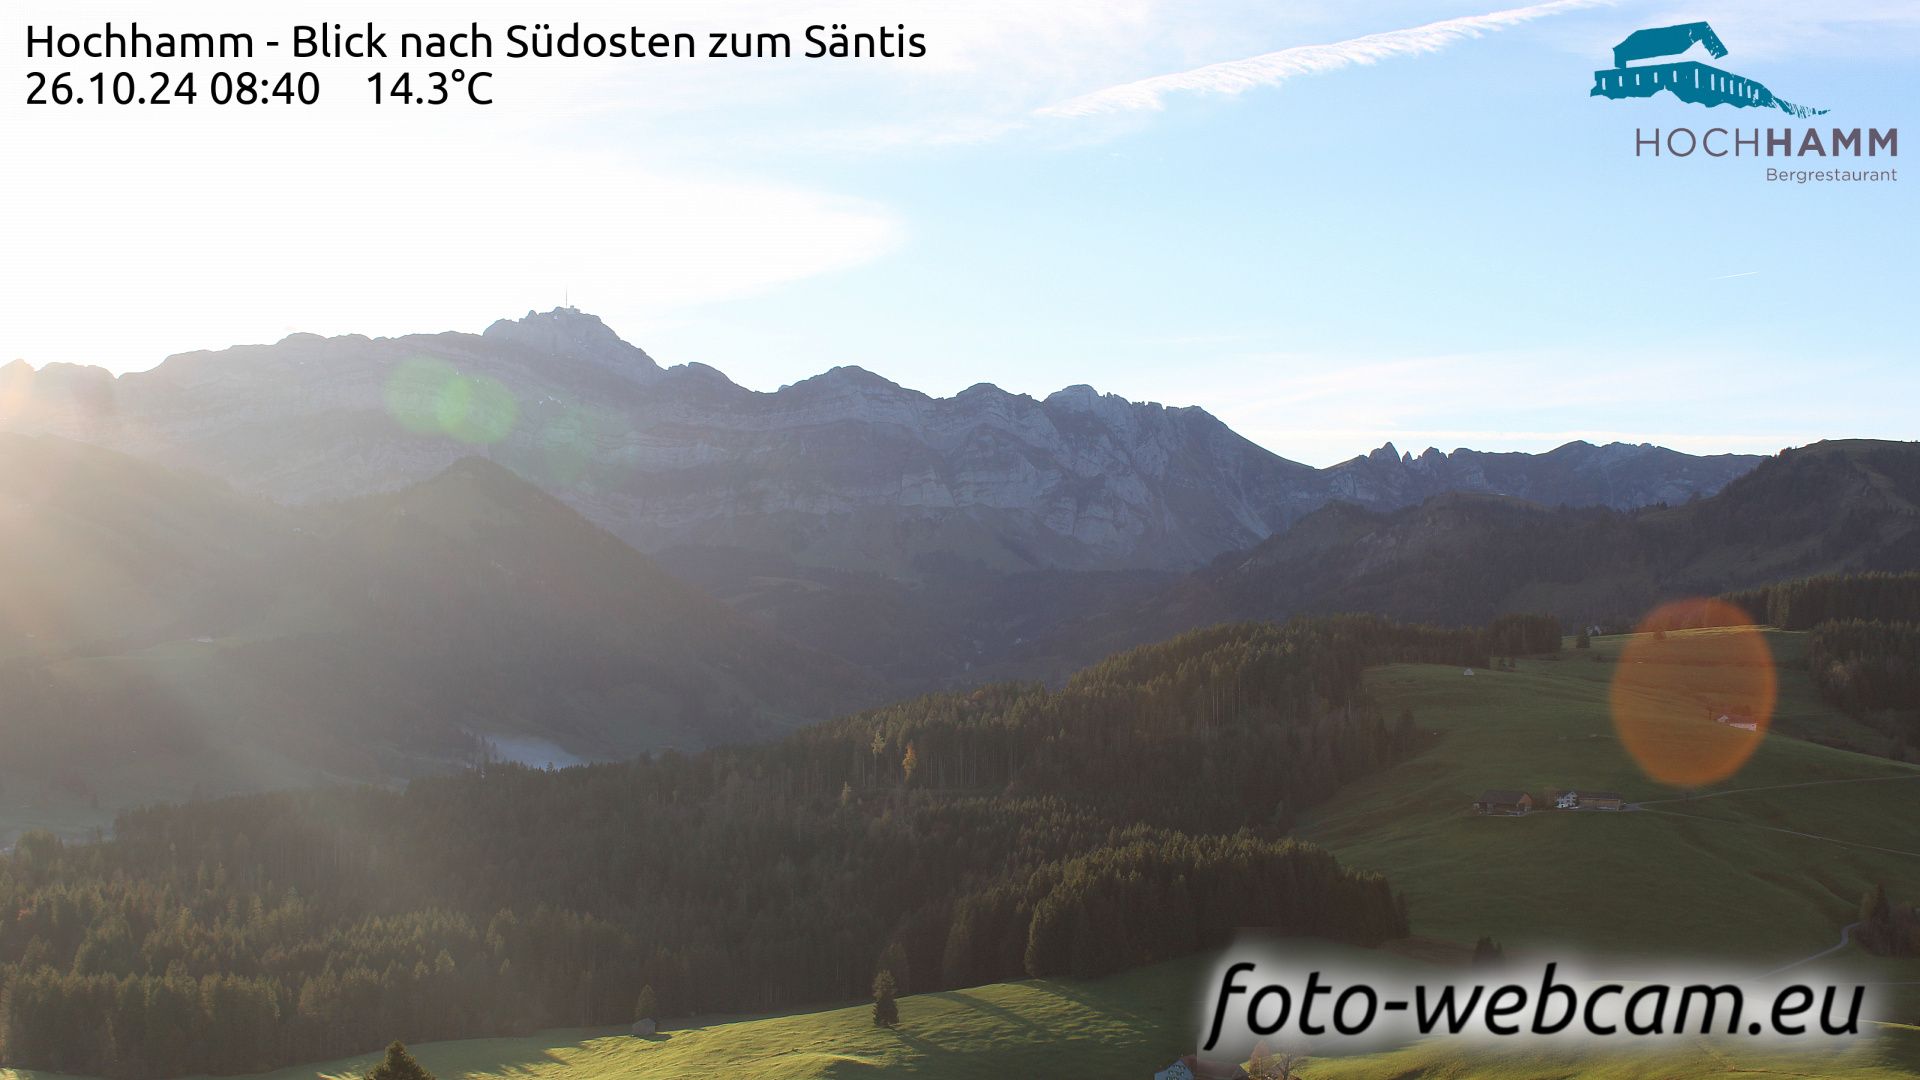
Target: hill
(953, 840)
(100, 551)
(1663, 878)
(1828, 508)
(1706, 877)
(164, 636)
(1054, 1028)
(1060, 1029)
(1710, 876)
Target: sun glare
(1692, 706)
(431, 397)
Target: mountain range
(1840, 507)
(843, 471)
(364, 559)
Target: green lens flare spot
(413, 394)
(431, 397)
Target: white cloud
(1274, 68)
(273, 228)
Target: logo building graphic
(1688, 80)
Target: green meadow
(1717, 874)
(1040, 1028)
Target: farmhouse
(1590, 800)
(1733, 716)
(1503, 802)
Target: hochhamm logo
(1650, 62)
(1688, 80)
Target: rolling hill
(1704, 877)
(1124, 1026)
(99, 551)
(1663, 878)
(164, 636)
(1832, 507)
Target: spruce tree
(886, 1012)
(1876, 919)
(647, 1006)
(399, 1065)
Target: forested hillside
(1864, 652)
(1134, 814)
(161, 635)
(1843, 507)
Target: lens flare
(16, 384)
(567, 446)
(1692, 705)
(431, 397)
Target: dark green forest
(1136, 813)
(1846, 507)
(1805, 604)
(1870, 669)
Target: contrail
(1274, 68)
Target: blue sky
(1455, 248)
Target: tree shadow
(980, 1005)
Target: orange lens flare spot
(1692, 705)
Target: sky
(1331, 224)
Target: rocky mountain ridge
(1832, 508)
(844, 470)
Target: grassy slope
(1654, 883)
(1896, 1056)
(1708, 884)
(1042, 1028)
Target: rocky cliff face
(845, 469)
(1617, 475)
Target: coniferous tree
(399, 1065)
(886, 1011)
(246, 933)
(646, 1008)
(1876, 918)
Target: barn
(1509, 803)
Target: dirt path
(1777, 787)
(1790, 832)
(1846, 936)
(1846, 932)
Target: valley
(165, 637)
(1704, 875)
(369, 687)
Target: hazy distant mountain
(1617, 475)
(1832, 507)
(845, 470)
(161, 634)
